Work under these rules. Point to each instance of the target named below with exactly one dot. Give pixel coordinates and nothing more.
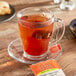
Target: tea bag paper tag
(55, 48)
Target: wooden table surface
(9, 32)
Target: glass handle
(61, 26)
(58, 31)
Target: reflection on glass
(57, 1)
(67, 4)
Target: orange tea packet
(47, 68)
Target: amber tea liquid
(35, 32)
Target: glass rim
(19, 15)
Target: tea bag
(41, 34)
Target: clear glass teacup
(37, 27)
